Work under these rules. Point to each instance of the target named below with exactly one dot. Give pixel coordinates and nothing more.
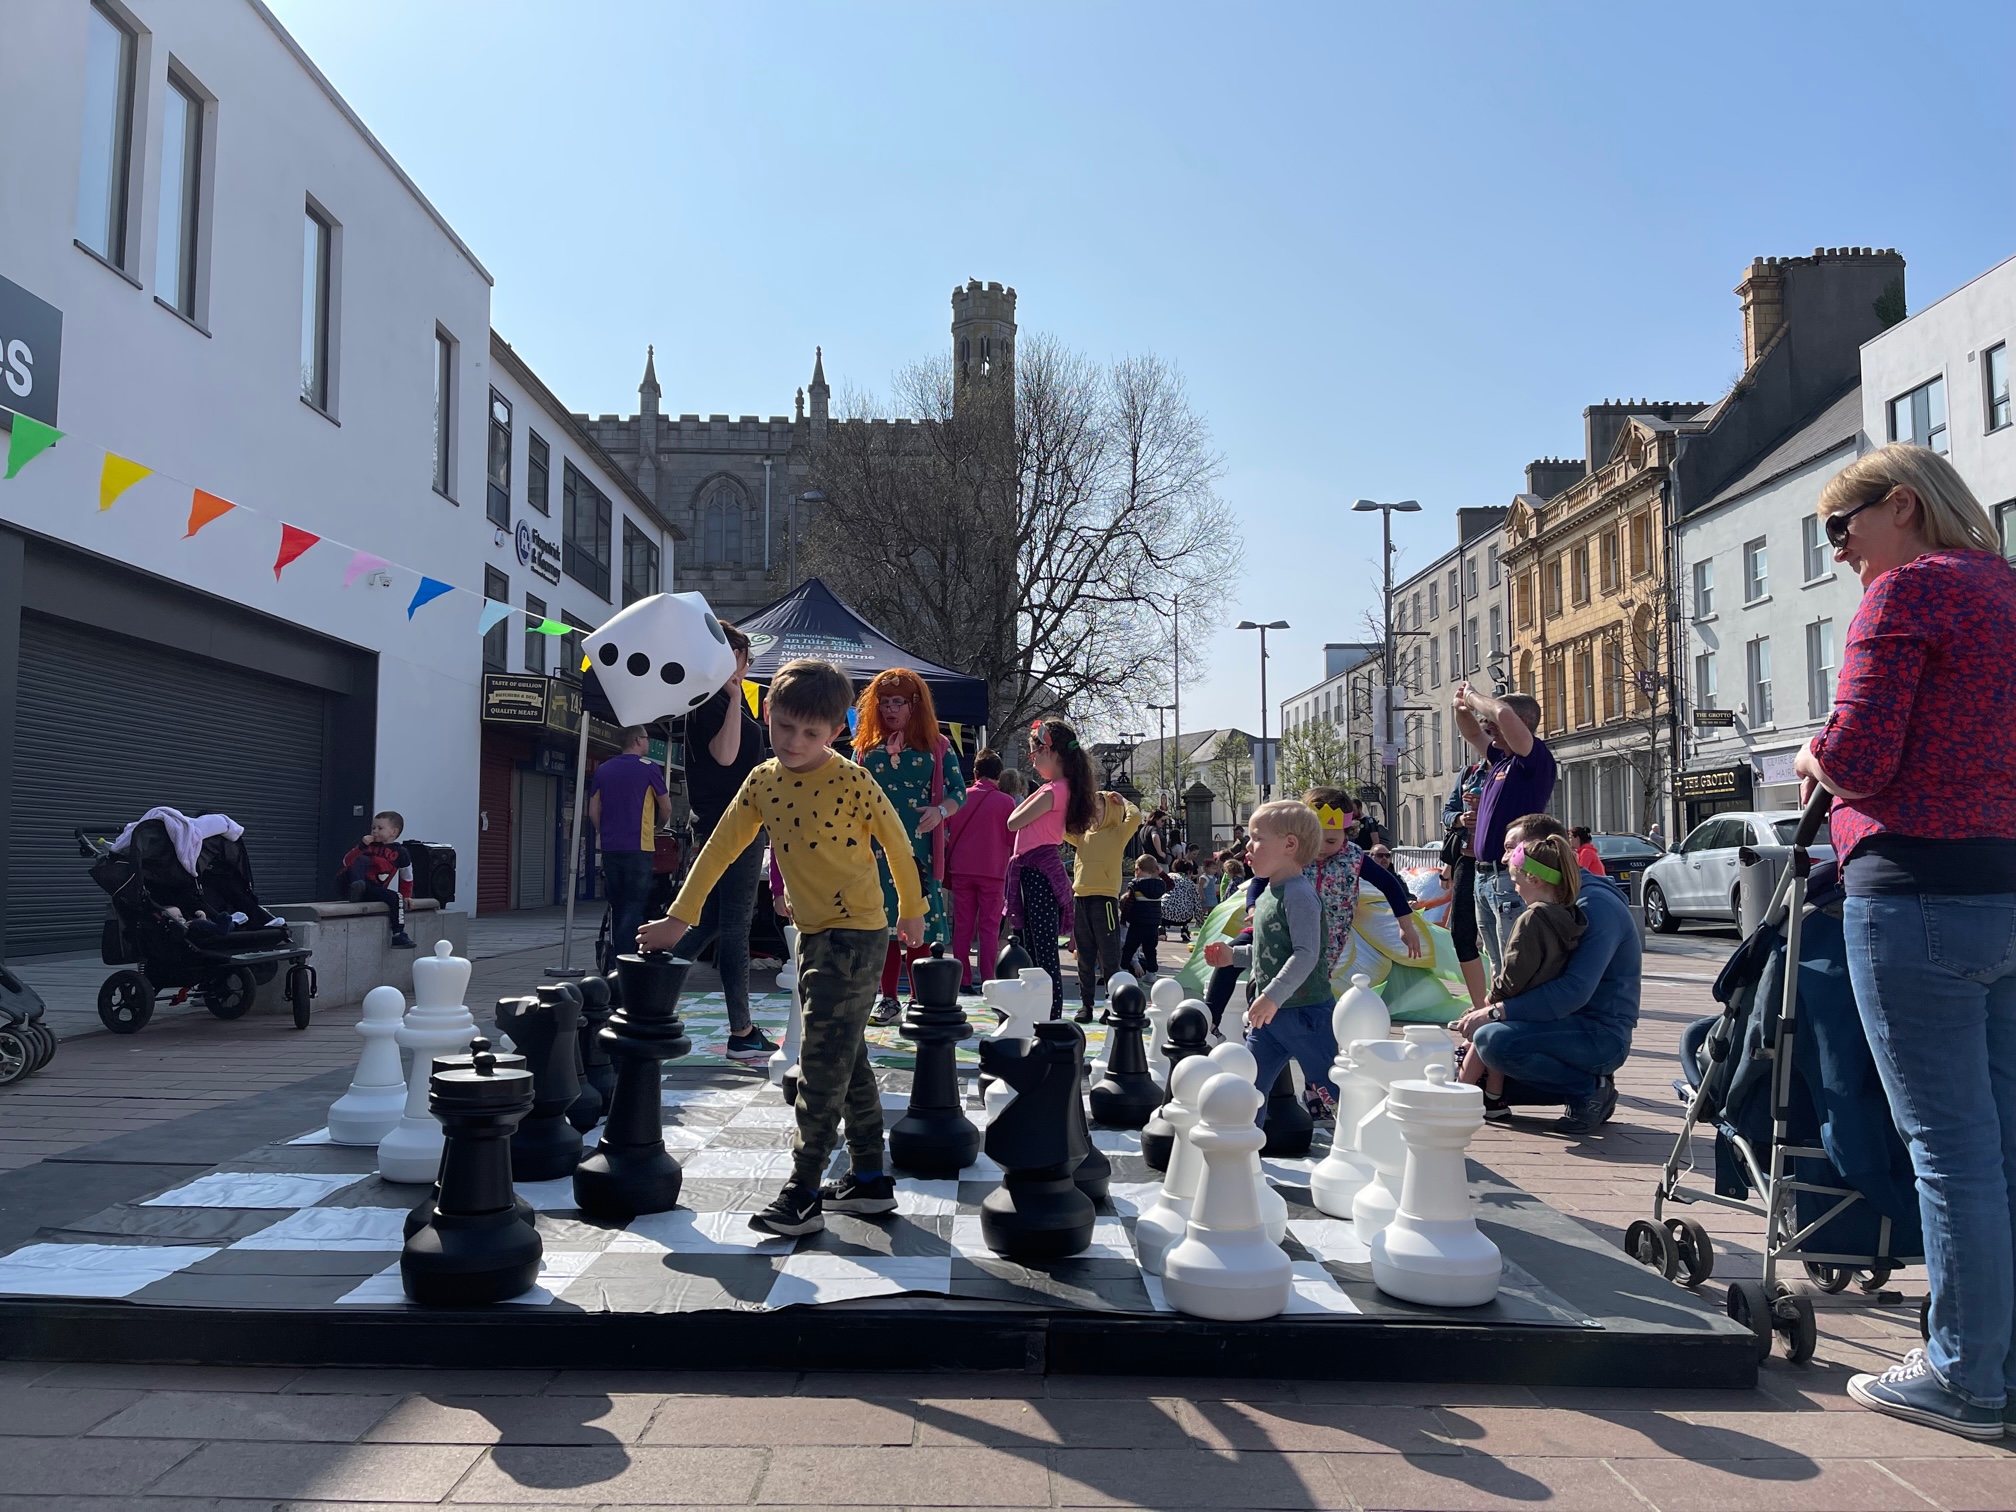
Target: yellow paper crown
(1332, 818)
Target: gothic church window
(721, 526)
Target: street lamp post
(1267, 787)
(811, 496)
(1390, 756)
(1161, 752)
(1133, 739)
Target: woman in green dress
(896, 737)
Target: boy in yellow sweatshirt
(822, 812)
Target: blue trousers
(1935, 984)
(1302, 1035)
(726, 918)
(1498, 908)
(1564, 1056)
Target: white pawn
(1432, 1251)
(437, 1024)
(1385, 1062)
(785, 1056)
(1026, 1002)
(1233, 1056)
(1227, 1268)
(1161, 1228)
(1164, 998)
(370, 1109)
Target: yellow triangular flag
(120, 474)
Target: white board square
(349, 1229)
(1316, 1291)
(256, 1189)
(766, 1165)
(817, 1277)
(683, 1232)
(1330, 1239)
(93, 1270)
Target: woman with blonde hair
(1920, 754)
(896, 737)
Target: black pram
(154, 930)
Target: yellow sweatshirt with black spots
(820, 825)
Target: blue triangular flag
(429, 590)
(493, 611)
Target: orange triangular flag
(204, 508)
(118, 475)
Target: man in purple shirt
(627, 800)
(1519, 780)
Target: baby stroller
(155, 934)
(1784, 1077)
(26, 1043)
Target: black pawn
(1287, 1124)
(934, 1137)
(1126, 1097)
(1008, 965)
(596, 1006)
(1189, 1034)
(586, 1110)
(1038, 1212)
(424, 1214)
(543, 1028)
(631, 1171)
(474, 1248)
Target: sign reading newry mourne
(31, 353)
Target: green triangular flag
(29, 440)
(551, 627)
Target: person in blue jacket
(1566, 1037)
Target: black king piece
(631, 1171)
(933, 1137)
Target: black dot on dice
(672, 672)
(638, 664)
(714, 629)
(608, 655)
(697, 700)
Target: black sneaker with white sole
(753, 1046)
(866, 1198)
(885, 1012)
(795, 1211)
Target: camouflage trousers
(839, 973)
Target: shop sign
(563, 712)
(1714, 719)
(1723, 782)
(551, 761)
(514, 698)
(1775, 770)
(31, 353)
(537, 553)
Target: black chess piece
(934, 1137)
(1287, 1124)
(586, 1110)
(423, 1214)
(1094, 1173)
(474, 1247)
(1126, 1096)
(544, 1029)
(631, 1171)
(596, 1006)
(1038, 1212)
(1008, 965)
(1189, 1034)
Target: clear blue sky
(1395, 249)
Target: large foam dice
(664, 655)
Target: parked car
(1700, 878)
(1625, 857)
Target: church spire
(647, 391)
(817, 391)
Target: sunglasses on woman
(1837, 524)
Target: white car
(1700, 877)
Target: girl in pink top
(1038, 889)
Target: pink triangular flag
(360, 564)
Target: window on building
(1417, 611)
(1522, 601)
(1497, 632)
(640, 564)
(1756, 570)
(1705, 688)
(1585, 687)
(721, 526)
(1455, 651)
(1434, 600)
(1553, 595)
(1612, 562)
(1470, 577)
(570, 645)
(1757, 670)
(1435, 739)
(1820, 669)
(444, 413)
(104, 187)
(1556, 700)
(1920, 416)
(1435, 662)
(1455, 596)
(181, 197)
(1815, 555)
(1491, 556)
(497, 639)
(1472, 661)
(317, 283)
(497, 496)
(1641, 543)
(584, 531)
(1995, 372)
(535, 643)
(1578, 570)
(538, 471)
(2005, 528)
(1613, 679)
(1704, 589)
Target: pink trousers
(976, 920)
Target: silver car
(1700, 878)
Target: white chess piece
(1360, 1013)
(1233, 1056)
(1161, 1228)
(1386, 1062)
(1432, 1252)
(1164, 998)
(1227, 1268)
(1343, 1172)
(1436, 1043)
(437, 1024)
(1026, 1001)
(370, 1109)
(785, 1056)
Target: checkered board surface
(309, 1225)
(705, 1015)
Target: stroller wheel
(1650, 1245)
(1696, 1252)
(1873, 1281)
(125, 1002)
(230, 995)
(1829, 1278)
(1747, 1304)
(1801, 1330)
(301, 993)
(17, 1054)
(46, 1039)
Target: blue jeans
(1498, 909)
(1302, 1035)
(1935, 983)
(725, 919)
(1563, 1057)
(627, 877)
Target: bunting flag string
(116, 476)
(293, 541)
(205, 507)
(27, 441)
(550, 627)
(429, 590)
(362, 563)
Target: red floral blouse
(1925, 706)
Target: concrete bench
(352, 949)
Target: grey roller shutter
(107, 728)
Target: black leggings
(1463, 910)
(1039, 932)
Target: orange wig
(895, 682)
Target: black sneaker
(795, 1211)
(753, 1046)
(867, 1198)
(1496, 1109)
(1590, 1114)
(888, 1011)
(1083, 1015)
(403, 941)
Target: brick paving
(169, 1438)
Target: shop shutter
(107, 728)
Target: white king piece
(664, 655)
